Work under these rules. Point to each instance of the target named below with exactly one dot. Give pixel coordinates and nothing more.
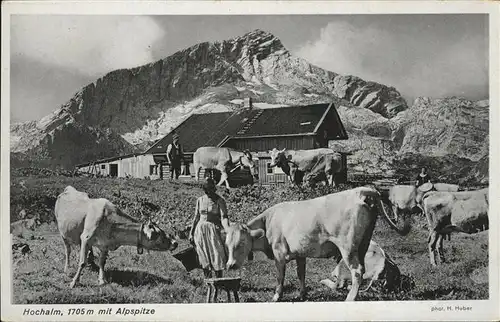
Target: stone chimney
(247, 103)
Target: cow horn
(257, 233)
(283, 150)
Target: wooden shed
(257, 130)
(136, 165)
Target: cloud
(38, 88)
(91, 45)
(416, 59)
(350, 50)
(460, 69)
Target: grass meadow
(157, 277)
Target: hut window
(103, 166)
(305, 123)
(275, 170)
(269, 169)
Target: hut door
(113, 170)
(342, 176)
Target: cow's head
(154, 238)
(246, 160)
(391, 276)
(278, 157)
(239, 240)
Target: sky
(52, 57)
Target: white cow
(97, 222)
(408, 198)
(223, 159)
(339, 224)
(378, 266)
(447, 212)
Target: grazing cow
(327, 166)
(408, 198)
(378, 267)
(339, 224)
(223, 159)
(291, 161)
(447, 212)
(97, 222)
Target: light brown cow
(408, 198)
(438, 186)
(97, 222)
(291, 161)
(327, 166)
(378, 267)
(225, 160)
(447, 212)
(339, 224)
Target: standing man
(174, 156)
(422, 178)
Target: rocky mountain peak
(127, 109)
(258, 41)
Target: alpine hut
(256, 130)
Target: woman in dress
(209, 218)
(422, 178)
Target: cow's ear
(257, 233)
(289, 157)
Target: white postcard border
(414, 310)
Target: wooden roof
(213, 128)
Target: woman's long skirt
(210, 246)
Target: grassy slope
(158, 278)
